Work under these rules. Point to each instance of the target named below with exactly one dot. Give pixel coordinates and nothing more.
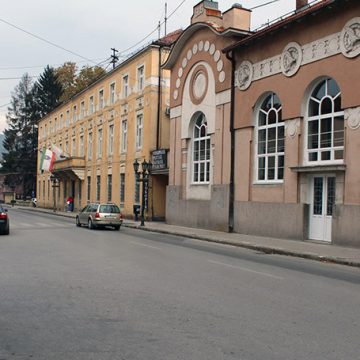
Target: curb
(262, 248)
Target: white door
(322, 207)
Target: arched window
(325, 124)
(201, 151)
(270, 141)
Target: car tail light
(97, 215)
(3, 215)
(121, 216)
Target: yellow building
(102, 130)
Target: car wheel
(7, 231)
(90, 224)
(78, 223)
(116, 227)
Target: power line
(47, 41)
(261, 5)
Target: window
(61, 121)
(67, 118)
(74, 118)
(123, 136)
(270, 134)
(90, 146)
(139, 131)
(122, 188)
(82, 110)
(111, 139)
(101, 99)
(56, 124)
(125, 86)
(109, 187)
(98, 183)
(99, 143)
(44, 190)
(88, 188)
(112, 93)
(81, 146)
(325, 124)
(66, 147)
(73, 147)
(140, 78)
(91, 105)
(201, 151)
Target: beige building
(102, 130)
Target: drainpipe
(159, 104)
(232, 145)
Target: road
(72, 293)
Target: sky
(90, 28)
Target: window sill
(319, 168)
(266, 183)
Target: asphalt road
(72, 293)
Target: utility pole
(166, 18)
(159, 30)
(114, 57)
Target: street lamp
(143, 176)
(55, 184)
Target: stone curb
(262, 248)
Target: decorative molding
(175, 112)
(292, 126)
(223, 97)
(294, 55)
(352, 117)
(193, 50)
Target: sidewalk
(303, 249)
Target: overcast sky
(90, 28)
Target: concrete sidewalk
(304, 249)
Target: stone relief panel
(292, 127)
(352, 117)
(294, 55)
(245, 75)
(350, 38)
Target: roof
(296, 16)
(169, 39)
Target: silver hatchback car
(100, 215)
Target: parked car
(4, 221)
(100, 215)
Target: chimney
(237, 17)
(207, 10)
(301, 4)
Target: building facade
(102, 130)
(289, 150)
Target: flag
(47, 160)
(59, 154)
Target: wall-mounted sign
(159, 159)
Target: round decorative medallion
(219, 65)
(184, 62)
(201, 45)
(291, 59)
(199, 84)
(206, 46)
(222, 76)
(352, 117)
(245, 75)
(195, 49)
(212, 49)
(350, 38)
(176, 94)
(189, 55)
(180, 72)
(178, 83)
(291, 127)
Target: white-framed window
(122, 188)
(73, 147)
(101, 99)
(99, 143)
(56, 124)
(270, 141)
(139, 131)
(88, 188)
(125, 83)
(98, 187)
(90, 145)
(111, 139)
(82, 109)
(140, 78)
(50, 127)
(66, 147)
(67, 121)
(325, 124)
(123, 136)
(74, 117)
(61, 121)
(81, 146)
(201, 151)
(112, 93)
(109, 187)
(91, 105)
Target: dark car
(4, 221)
(100, 215)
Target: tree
(20, 143)
(73, 80)
(48, 91)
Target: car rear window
(109, 209)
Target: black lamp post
(143, 176)
(55, 184)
